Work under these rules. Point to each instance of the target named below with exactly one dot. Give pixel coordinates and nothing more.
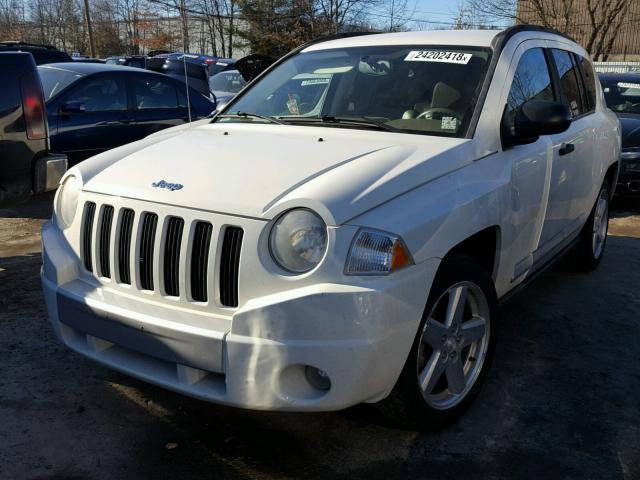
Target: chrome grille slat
(87, 234)
(229, 266)
(173, 243)
(147, 244)
(104, 249)
(124, 246)
(199, 261)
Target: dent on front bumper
(255, 357)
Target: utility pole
(87, 16)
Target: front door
(531, 164)
(93, 117)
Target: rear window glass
(589, 77)
(55, 80)
(569, 76)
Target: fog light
(317, 378)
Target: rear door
(572, 176)
(158, 104)
(92, 117)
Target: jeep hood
(261, 170)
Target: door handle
(122, 121)
(566, 148)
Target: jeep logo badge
(167, 185)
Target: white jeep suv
(344, 230)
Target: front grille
(104, 240)
(87, 234)
(183, 255)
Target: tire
(588, 253)
(445, 397)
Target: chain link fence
(617, 67)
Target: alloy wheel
(453, 345)
(600, 223)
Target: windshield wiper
(353, 121)
(253, 115)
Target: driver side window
(531, 81)
(103, 94)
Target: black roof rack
(19, 43)
(503, 37)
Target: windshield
(622, 96)
(415, 89)
(55, 80)
(230, 81)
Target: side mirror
(535, 118)
(72, 107)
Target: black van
(26, 166)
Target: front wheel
(593, 238)
(452, 351)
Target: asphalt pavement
(562, 400)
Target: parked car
(42, 54)
(156, 63)
(87, 60)
(198, 69)
(26, 166)
(311, 249)
(138, 61)
(225, 85)
(92, 108)
(622, 94)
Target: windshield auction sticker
(438, 56)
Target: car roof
(475, 38)
(90, 68)
(481, 38)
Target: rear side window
(570, 82)
(531, 81)
(155, 93)
(589, 81)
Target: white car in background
(344, 230)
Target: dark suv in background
(622, 94)
(26, 166)
(41, 53)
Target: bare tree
(595, 23)
(338, 13)
(399, 12)
(468, 17)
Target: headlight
(630, 159)
(630, 153)
(67, 202)
(298, 240)
(377, 253)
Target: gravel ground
(562, 400)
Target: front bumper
(48, 172)
(256, 356)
